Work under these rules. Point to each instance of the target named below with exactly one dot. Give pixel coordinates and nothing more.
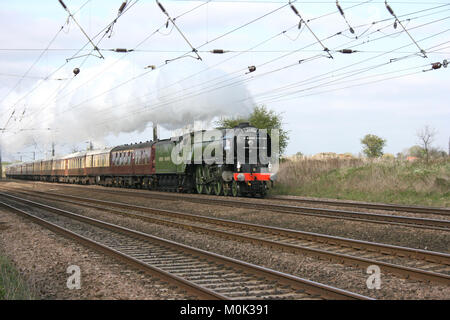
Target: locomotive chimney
(155, 131)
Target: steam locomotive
(234, 162)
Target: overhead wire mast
(178, 29)
(391, 11)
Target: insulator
(122, 6)
(390, 10)
(120, 50)
(63, 5)
(445, 63)
(150, 67)
(346, 51)
(340, 9)
(161, 6)
(219, 51)
(294, 9)
(76, 71)
(251, 68)
(436, 65)
(167, 23)
(352, 31)
(395, 24)
(300, 24)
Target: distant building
(320, 156)
(325, 155)
(345, 156)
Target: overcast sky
(327, 104)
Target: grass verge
(387, 181)
(12, 285)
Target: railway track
(368, 205)
(414, 222)
(406, 262)
(205, 274)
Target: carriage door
(66, 167)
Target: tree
(388, 156)
(419, 152)
(436, 153)
(426, 137)
(415, 151)
(373, 145)
(261, 118)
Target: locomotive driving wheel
(235, 189)
(207, 176)
(226, 188)
(218, 187)
(199, 179)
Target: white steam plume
(159, 97)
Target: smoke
(88, 113)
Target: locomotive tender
(222, 162)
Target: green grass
(379, 181)
(12, 285)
